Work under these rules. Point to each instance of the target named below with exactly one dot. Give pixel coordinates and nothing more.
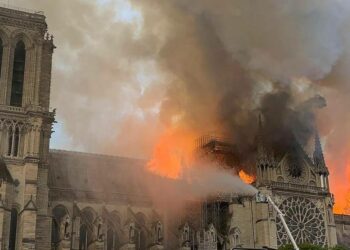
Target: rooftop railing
(297, 187)
(29, 108)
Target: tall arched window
(9, 141)
(86, 228)
(18, 75)
(13, 229)
(1, 50)
(16, 142)
(59, 213)
(13, 142)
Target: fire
(340, 186)
(246, 177)
(172, 153)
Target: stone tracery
(305, 221)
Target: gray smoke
(205, 66)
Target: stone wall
(342, 223)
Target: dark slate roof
(84, 172)
(4, 172)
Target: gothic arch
(19, 35)
(114, 230)
(90, 212)
(60, 225)
(86, 236)
(14, 134)
(59, 212)
(4, 36)
(18, 73)
(141, 235)
(116, 218)
(141, 218)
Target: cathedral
(55, 199)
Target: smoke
(125, 72)
(197, 182)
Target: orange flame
(339, 183)
(172, 153)
(249, 179)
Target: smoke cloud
(126, 71)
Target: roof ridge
(97, 155)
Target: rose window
(304, 220)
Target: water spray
(266, 198)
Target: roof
(82, 173)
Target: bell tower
(25, 128)
(298, 184)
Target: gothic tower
(25, 129)
(299, 186)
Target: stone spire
(263, 156)
(318, 156)
(261, 149)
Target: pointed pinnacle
(318, 154)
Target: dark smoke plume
(204, 66)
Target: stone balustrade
(297, 187)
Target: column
(4, 81)
(13, 140)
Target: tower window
(16, 142)
(13, 229)
(18, 75)
(13, 142)
(10, 140)
(1, 50)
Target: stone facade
(343, 229)
(300, 191)
(25, 126)
(51, 199)
(99, 193)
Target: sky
(127, 74)
(60, 138)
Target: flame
(339, 182)
(173, 152)
(249, 179)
